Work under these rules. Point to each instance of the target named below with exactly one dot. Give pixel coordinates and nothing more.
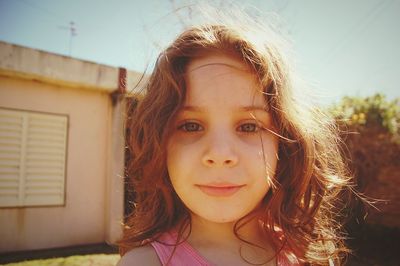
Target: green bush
(369, 129)
(369, 112)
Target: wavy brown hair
(300, 211)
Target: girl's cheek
(253, 140)
(184, 139)
(259, 140)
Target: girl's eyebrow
(250, 108)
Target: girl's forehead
(217, 75)
(216, 59)
(214, 67)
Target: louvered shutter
(11, 132)
(32, 158)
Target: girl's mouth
(223, 190)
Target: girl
(229, 167)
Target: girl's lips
(220, 190)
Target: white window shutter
(41, 166)
(11, 135)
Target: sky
(342, 47)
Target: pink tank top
(185, 254)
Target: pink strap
(287, 259)
(185, 254)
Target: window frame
(27, 115)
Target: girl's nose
(220, 151)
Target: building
(61, 150)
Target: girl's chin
(218, 218)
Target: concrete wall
(34, 80)
(82, 219)
(56, 69)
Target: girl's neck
(220, 234)
(211, 238)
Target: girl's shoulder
(144, 255)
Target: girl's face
(220, 156)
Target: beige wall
(83, 218)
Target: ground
(372, 245)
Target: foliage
(369, 129)
(85, 260)
(369, 112)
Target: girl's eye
(191, 127)
(249, 128)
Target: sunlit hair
(299, 212)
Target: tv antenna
(72, 33)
